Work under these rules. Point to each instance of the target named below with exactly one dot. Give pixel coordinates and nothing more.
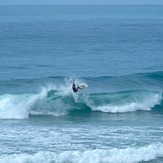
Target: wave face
(127, 101)
(59, 100)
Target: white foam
(18, 106)
(21, 105)
(114, 155)
(146, 103)
(13, 107)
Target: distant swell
(114, 155)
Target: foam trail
(114, 155)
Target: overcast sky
(69, 2)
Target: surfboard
(82, 85)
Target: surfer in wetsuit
(74, 88)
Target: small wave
(129, 102)
(114, 155)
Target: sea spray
(14, 106)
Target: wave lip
(114, 155)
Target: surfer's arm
(79, 88)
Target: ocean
(116, 49)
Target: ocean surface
(116, 50)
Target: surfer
(74, 88)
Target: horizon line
(80, 4)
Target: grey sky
(62, 2)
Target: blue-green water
(116, 50)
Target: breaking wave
(57, 101)
(110, 94)
(114, 155)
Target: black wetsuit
(74, 88)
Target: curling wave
(57, 101)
